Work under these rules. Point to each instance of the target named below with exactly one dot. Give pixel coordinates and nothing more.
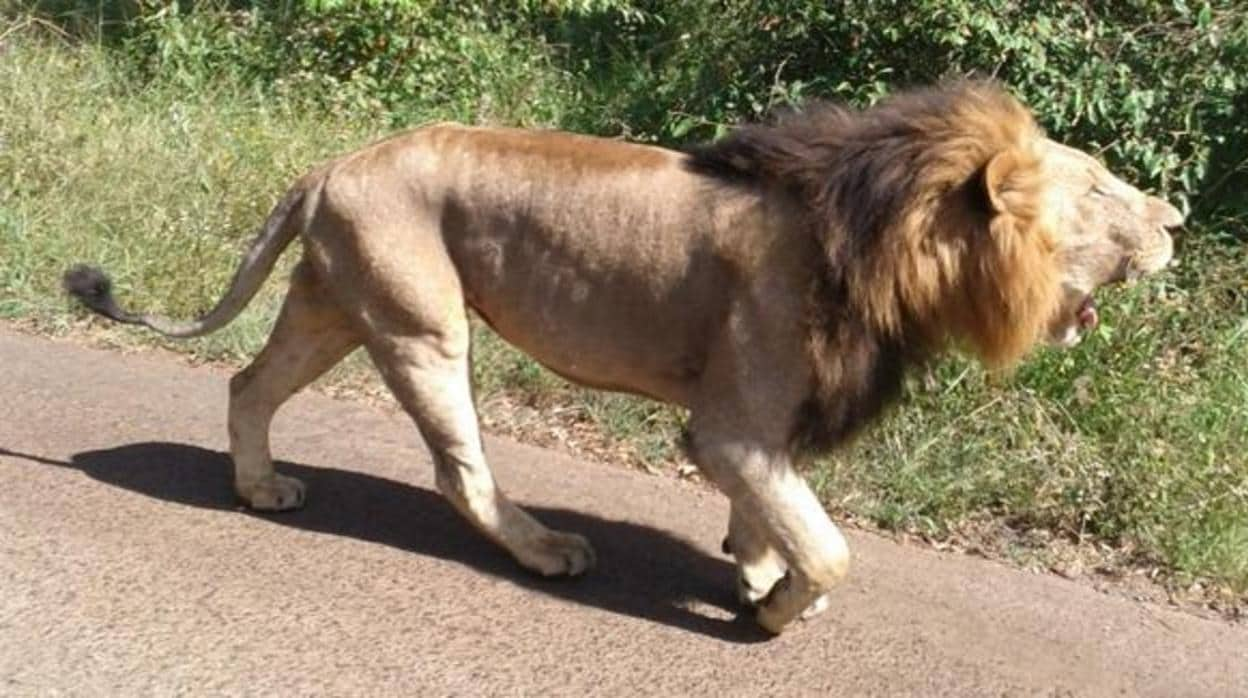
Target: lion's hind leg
(311, 336)
(430, 375)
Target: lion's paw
(278, 493)
(755, 581)
(555, 553)
(783, 604)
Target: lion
(776, 284)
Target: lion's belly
(615, 337)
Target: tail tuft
(88, 284)
(94, 289)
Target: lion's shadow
(642, 572)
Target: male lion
(775, 283)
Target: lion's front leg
(759, 566)
(780, 525)
(812, 546)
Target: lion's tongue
(1087, 316)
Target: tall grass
(158, 185)
(1134, 440)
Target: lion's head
(945, 216)
(1054, 225)
(1108, 231)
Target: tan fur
(776, 284)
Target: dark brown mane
(895, 196)
(830, 156)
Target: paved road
(126, 569)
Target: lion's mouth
(1086, 314)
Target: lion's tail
(93, 288)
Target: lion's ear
(1015, 277)
(996, 178)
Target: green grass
(158, 186)
(1138, 439)
(1135, 439)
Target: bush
(398, 60)
(1159, 88)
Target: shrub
(1160, 88)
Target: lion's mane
(928, 209)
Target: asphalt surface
(127, 569)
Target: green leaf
(1204, 18)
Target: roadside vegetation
(152, 138)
